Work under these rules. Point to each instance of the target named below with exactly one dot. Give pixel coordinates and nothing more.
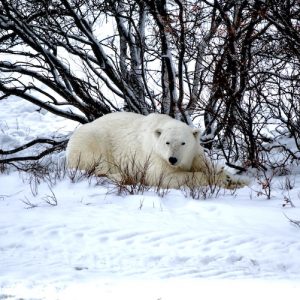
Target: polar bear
(154, 149)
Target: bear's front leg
(215, 174)
(195, 179)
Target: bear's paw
(232, 182)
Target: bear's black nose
(172, 160)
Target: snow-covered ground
(95, 244)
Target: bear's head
(177, 145)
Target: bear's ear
(157, 132)
(196, 133)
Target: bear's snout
(172, 160)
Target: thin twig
(294, 222)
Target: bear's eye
(168, 143)
(183, 143)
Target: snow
(95, 244)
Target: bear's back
(117, 119)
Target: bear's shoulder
(122, 115)
(165, 121)
(158, 117)
(154, 120)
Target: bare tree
(234, 65)
(250, 87)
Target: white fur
(128, 143)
